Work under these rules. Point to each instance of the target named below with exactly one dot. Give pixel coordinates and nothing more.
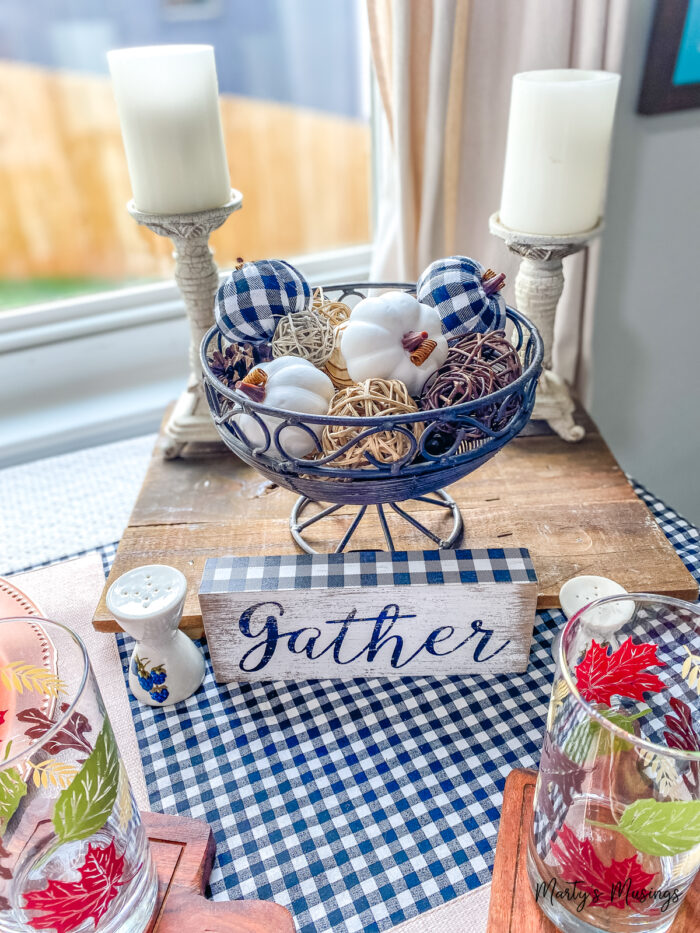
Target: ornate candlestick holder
(197, 278)
(538, 288)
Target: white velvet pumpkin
(292, 384)
(394, 336)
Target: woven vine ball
(255, 296)
(466, 295)
(336, 368)
(305, 334)
(476, 366)
(368, 399)
(335, 311)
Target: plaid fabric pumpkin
(467, 301)
(255, 296)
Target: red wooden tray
(184, 851)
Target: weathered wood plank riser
(570, 504)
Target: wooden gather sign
(369, 614)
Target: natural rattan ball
(305, 334)
(368, 399)
(334, 311)
(476, 366)
(336, 368)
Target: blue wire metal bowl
(475, 430)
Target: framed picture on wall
(672, 73)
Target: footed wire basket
(454, 441)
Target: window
(293, 76)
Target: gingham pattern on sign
(253, 299)
(366, 568)
(356, 805)
(454, 286)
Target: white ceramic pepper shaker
(165, 665)
(601, 623)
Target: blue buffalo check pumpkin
(466, 295)
(255, 296)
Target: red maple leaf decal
(600, 675)
(618, 884)
(68, 904)
(682, 735)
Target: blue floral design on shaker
(152, 679)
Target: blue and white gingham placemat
(360, 804)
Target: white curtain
(444, 70)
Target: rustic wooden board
(183, 850)
(570, 504)
(513, 908)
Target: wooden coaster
(183, 850)
(569, 504)
(513, 908)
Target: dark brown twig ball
(476, 366)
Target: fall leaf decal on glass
(691, 670)
(70, 736)
(19, 676)
(5, 875)
(579, 863)
(84, 806)
(682, 735)
(52, 773)
(66, 905)
(659, 827)
(12, 789)
(557, 770)
(600, 675)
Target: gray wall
(646, 359)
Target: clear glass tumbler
(615, 840)
(74, 856)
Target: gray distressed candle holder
(197, 278)
(538, 288)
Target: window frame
(103, 354)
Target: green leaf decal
(12, 789)
(85, 805)
(580, 742)
(657, 828)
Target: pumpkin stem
(253, 385)
(419, 356)
(413, 339)
(492, 282)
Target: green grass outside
(16, 294)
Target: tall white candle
(168, 104)
(558, 150)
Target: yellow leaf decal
(20, 677)
(661, 770)
(560, 691)
(53, 772)
(124, 806)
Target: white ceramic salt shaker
(580, 591)
(602, 622)
(165, 665)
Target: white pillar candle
(168, 104)
(558, 150)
